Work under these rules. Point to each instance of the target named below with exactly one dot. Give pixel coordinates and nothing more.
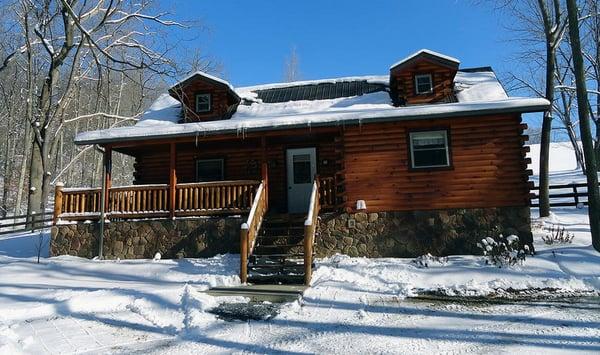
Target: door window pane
(302, 173)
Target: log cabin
(429, 158)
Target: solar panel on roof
(320, 91)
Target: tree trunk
(36, 172)
(584, 125)
(544, 182)
(551, 37)
(24, 166)
(576, 148)
(8, 163)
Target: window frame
(448, 148)
(196, 96)
(221, 160)
(430, 77)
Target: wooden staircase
(278, 255)
(278, 249)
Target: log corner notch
(58, 201)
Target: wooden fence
(565, 195)
(16, 224)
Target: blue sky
(340, 38)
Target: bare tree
(584, 123)
(292, 67)
(60, 38)
(540, 25)
(554, 24)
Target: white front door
(301, 171)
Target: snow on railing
(311, 206)
(259, 193)
(310, 229)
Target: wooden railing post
(172, 180)
(310, 227)
(575, 196)
(309, 231)
(58, 202)
(244, 253)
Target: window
(423, 84)
(302, 169)
(209, 170)
(429, 149)
(203, 103)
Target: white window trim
(221, 161)
(412, 150)
(209, 103)
(428, 76)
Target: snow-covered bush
(557, 235)
(428, 259)
(504, 251)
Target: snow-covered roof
(206, 75)
(425, 51)
(477, 92)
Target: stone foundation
(193, 237)
(410, 234)
(383, 234)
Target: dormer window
(423, 84)
(203, 103)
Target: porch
(168, 201)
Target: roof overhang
(198, 130)
(429, 55)
(175, 90)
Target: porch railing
(310, 229)
(327, 192)
(232, 196)
(249, 230)
(138, 201)
(150, 201)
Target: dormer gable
(423, 77)
(205, 97)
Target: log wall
(488, 166)
(371, 162)
(242, 160)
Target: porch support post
(104, 196)
(107, 178)
(264, 168)
(58, 202)
(172, 179)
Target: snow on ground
(563, 165)
(355, 305)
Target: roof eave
(348, 122)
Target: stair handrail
(250, 228)
(310, 228)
